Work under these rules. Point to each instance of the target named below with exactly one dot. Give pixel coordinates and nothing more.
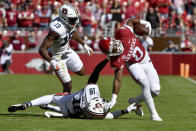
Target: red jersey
(24, 21)
(133, 52)
(11, 18)
(17, 43)
(163, 9)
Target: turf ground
(176, 105)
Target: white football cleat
(53, 114)
(131, 107)
(156, 118)
(139, 110)
(109, 116)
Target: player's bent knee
(155, 93)
(81, 72)
(155, 89)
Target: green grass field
(176, 105)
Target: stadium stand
(170, 19)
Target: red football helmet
(111, 47)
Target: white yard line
(193, 81)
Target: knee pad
(63, 75)
(155, 92)
(155, 89)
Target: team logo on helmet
(70, 15)
(64, 11)
(111, 47)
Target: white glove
(148, 25)
(131, 107)
(54, 64)
(88, 49)
(112, 102)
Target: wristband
(114, 97)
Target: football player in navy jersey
(85, 103)
(62, 57)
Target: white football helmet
(70, 15)
(111, 47)
(96, 109)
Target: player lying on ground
(85, 103)
(127, 50)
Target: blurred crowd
(23, 22)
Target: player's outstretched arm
(116, 86)
(133, 21)
(77, 38)
(116, 114)
(95, 75)
(43, 50)
(43, 100)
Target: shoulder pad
(91, 91)
(57, 28)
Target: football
(140, 29)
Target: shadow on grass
(21, 115)
(74, 118)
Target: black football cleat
(14, 108)
(43, 107)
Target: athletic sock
(28, 104)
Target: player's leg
(153, 79)
(116, 114)
(140, 78)
(44, 100)
(154, 86)
(137, 71)
(95, 74)
(53, 114)
(64, 75)
(50, 107)
(81, 72)
(60, 99)
(136, 74)
(74, 63)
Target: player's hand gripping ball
(140, 29)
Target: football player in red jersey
(127, 50)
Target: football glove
(55, 65)
(148, 25)
(112, 102)
(88, 49)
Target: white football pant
(68, 61)
(146, 76)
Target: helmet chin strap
(119, 51)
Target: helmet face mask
(70, 15)
(111, 47)
(115, 48)
(96, 108)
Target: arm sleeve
(95, 75)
